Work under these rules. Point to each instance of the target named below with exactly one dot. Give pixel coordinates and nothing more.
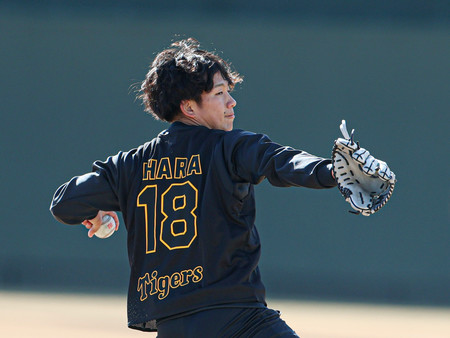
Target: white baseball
(107, 228)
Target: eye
(219, 93)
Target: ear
(186, 108)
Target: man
(188, 203)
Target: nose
(231, 102)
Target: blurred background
(68, 70)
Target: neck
(186, 120)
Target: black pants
(226, 323)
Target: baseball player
(187, 199)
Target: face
(216, 108)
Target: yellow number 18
(177, 204)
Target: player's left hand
(365, 182)
(94, 224)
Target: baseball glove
(365, 182)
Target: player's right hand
(94, 224)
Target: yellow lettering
(180, 167)
(194, 167)
(198, 274)
(175, 280)
(149, 170)
(142, 286)
(153, 286)
(164, 169)
(163, 286)
(186, 274)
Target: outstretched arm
(254, 157)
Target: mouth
(229, 115)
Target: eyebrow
(220, 84)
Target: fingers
(95, 223)
(87, 224)
(372, 166)
(94, 228)
(385, 173)
(361, 156)
(369, 163)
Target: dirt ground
(67, 316)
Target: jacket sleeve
(83, 196)
(254, 157)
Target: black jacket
(188, 204)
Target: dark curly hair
(181, 73)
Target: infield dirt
(79, 315)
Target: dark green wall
(67, 99)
